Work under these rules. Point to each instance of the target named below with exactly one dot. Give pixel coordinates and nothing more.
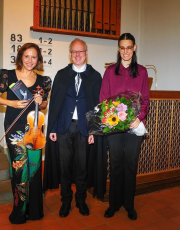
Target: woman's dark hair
(26, 46)
(133, 66)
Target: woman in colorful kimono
(25, 165)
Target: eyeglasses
(77, 52)
(128, 48)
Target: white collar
(79, 70)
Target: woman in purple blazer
(124, 148)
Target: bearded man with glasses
(75, 91)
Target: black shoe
(132, 214)
(64, 210)
(110, 212)
(83, 208)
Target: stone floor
(157, 210)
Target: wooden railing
(160, 153)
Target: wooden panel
(151, 182)
(106, 15)
(36, 13)
(164, 95)
(113, 15)
(150, 81)
(98, 14)
(156, 176)
(73, 32)
(160, 150)
(118, 13)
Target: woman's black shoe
(132, 214)
(83, 209)
(64, 210)
(110, 212)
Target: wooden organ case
(91, 18)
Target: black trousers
(124, 149)
(73, 148)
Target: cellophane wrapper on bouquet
(114, 114)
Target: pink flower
(112, 110)
(121, 107)
(122, 115)
(104, 119)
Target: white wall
(130, 19)
(156, 27)
(160, 40)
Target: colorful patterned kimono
(26, 178)
(25, 164)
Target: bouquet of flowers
(114, 114)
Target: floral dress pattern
(25, 164)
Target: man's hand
(91, 139)
(53, 137)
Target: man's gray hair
(79, 40)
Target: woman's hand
(19, 104)
(91, 139)
(135, 123)
(13, 103)
(38, 98)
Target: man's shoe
(83, 208)
(64, 210)
(132, 214)
(110, 212)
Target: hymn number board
(45, 45)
